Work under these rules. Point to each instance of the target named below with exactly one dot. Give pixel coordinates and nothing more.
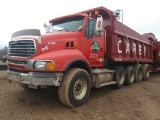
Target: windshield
(65, 24)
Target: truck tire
(146, 71)
(75, 87)
(129, 78)
(138, 73)
(119, 76)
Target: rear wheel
(146, 72)
(75, 87)
(129, 79)
(119, 76)
(138, 72)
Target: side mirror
(45, 25)
(99, 25)
(117, 14)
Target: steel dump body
(118, 49)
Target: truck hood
(51, 42)
(43, 43)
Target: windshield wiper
(63, 29)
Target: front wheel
(75, 87)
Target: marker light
(75, 44)
(96, 12)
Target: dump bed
(136, 47)
(118, 49)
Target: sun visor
(27, 32)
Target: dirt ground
(141, 101)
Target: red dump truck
(80, 51)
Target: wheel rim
(121, 80)
(80, 88)
(132, 76)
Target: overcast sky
(141, 15)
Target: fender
(63, 58)
(75, 61)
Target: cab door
(93, 45)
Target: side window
(90, 28)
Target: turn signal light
(49, 66)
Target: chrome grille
(21, 48)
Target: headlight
(44, 65)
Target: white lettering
(127, 48)
(144, 50)
(134, 48)
(52, 43)
(118, 45)
(140, 49)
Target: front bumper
(34, 78)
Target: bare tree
(3, 51)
